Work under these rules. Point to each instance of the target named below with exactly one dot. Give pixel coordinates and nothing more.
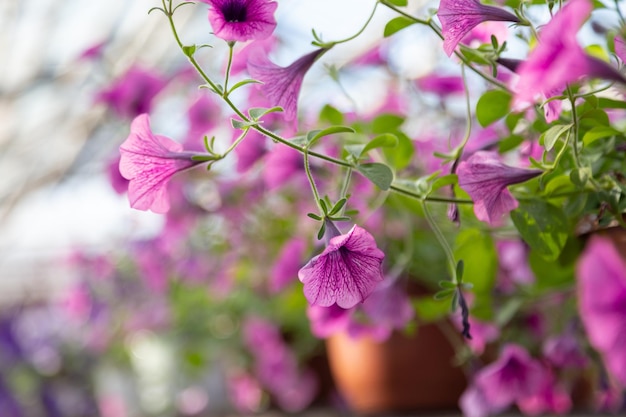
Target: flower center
(235, 11)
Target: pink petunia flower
(459, 17)
(346, 272)
(601, 275)
(558, 59)
(285, 269)
(620, 47)
(251, 149)
(485, 178)
(148, 161)
(565, 351)
(552, 398)
(281, 85)
(513, 377)
(132, 94)
(442, 85)
(242, 20)
(326, 321)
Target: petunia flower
(281, 85)
(148, 161)
(459, 17)
(242, 20)
(442, 85)
(552, 398)
(601, 276)
(513, 377)
(346, 272)
(289, 261)
(558, 59)
(132, 93)
(620, 47)
(485, 178)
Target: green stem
(234, 144)
(442, 240)
(572, 101)
(307, 169)
(367, 22)
(228, 66)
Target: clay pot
(401, 374)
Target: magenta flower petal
(485, 178)
(620, 47)
(242, 20)
(132, 94)
(459, 17)
(558, 59)
(514, 376)
(148, 161)
(281, 85)
(285, 269)
(601, 275)
(346, 272)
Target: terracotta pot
(401, 374)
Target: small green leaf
(447, 284)
(314, 216)
(386, 140)
(257, 112)
(386, 123)
(580, 176)
(321, 232)
(379, 174)
(443, 294)
(314, 135)
(242, 83)
(396, 25)
(443, 181)
(331, 115)
(599, 132)
(492, 106)
(459, 270)
(189, 50)
(401, 156)
(338, 206)
(550, 136)
(239, 124)
(607, 103)
(400, 3)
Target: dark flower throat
(235, 11)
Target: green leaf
(314, 216)
(429, 310)
(239, 124)
(459, 270)
(321, 232)
(257, 112)
(607, 103)
(387, 123)
(443, 294)
(379, 174)
(447, 284)
(509, 143)
(400, 3)
(314, 135)
(443, 181)
(580, 176)
(599, 132)
(189, 50)
(492, 106)
(386, 140)
(550, 136)
(244, 82)
(397, 24)
(543, 226)
(338, 206)
(402, 155)
(331, 115)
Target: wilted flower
(459, 17)
(242, 20)
(346, 272)
(558, 59)
(601, 275)
(132, 93)
(282, 85)
(149, 161)
(485, 178)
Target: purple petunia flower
(601, 275)
(459, 17)
(513, 377)
(620, 47)
(149, 161)
(485, 178)
(285, 269)
(242, 20)
(132, 93)
(346, 272)
(558, 59)
(281, 85)
(442, 85)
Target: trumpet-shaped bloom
(132, 93)
(513, 377)
(281, 85)
(485, 178)
(601, 275)
(242, 20)
(346, 272)
(148, 161)
(459, 17)
(558, 59)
